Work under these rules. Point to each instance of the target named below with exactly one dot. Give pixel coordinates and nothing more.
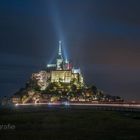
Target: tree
(94, 88)
(73, 87)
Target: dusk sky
(102, 37)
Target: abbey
(61, 71)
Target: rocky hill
(39, 88)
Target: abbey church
(61, 71)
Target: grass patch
(70, 124)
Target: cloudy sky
(100, 36)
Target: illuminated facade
(42, 78)
(61, 76)
(62, 71)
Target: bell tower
(59, 61)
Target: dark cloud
(102, 37)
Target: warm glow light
(16, 104)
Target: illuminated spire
(59, 61)
(60, 48)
